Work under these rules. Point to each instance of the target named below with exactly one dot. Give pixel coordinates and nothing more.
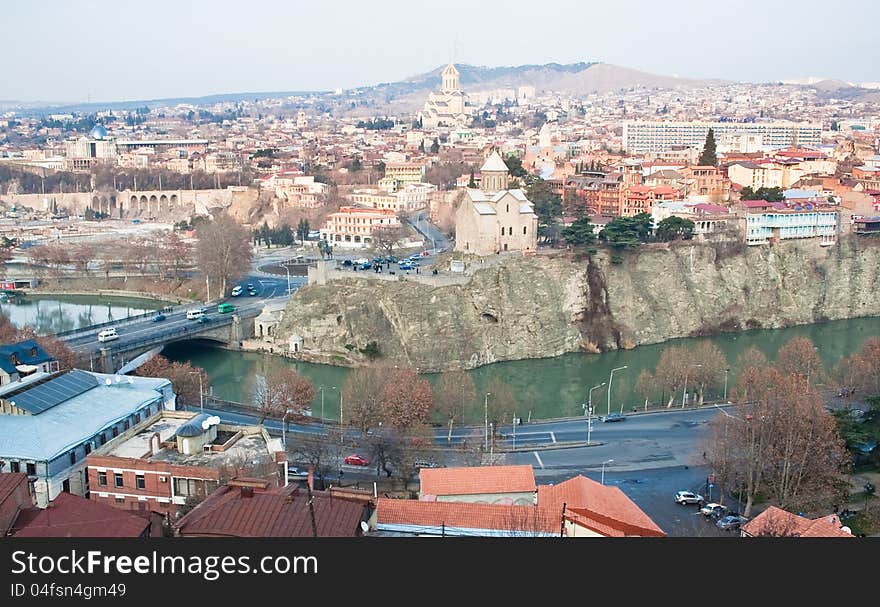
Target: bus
(225, 308)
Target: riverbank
(133, 287)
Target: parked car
(296, 473)
(356, 460)
(347, 263)
(237, 290)
(391, 259)
(688, 497)
(713, 510)
(731, 521)
(159, 317)
(405, 265)
(614, 417)
(422, 463)
(361, 261)
(252, 292)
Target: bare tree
(454, 392)
(501, 404)
(646, 386)
(362, 395)
(223, 251)
(406, 399)
(82, 255)
(671, 370)
(323, 454)
(800, 357)
(283, 390)
(184, 377)
(387, 237)
(707, 365)
(861, 370)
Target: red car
(357, 460)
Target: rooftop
(477, 480)
(69, 515)
(55, 430)
(776, 522)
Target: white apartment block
(658, 137)
(785, 224)
(413, 196)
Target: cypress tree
(709, 157)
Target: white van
(108, 335)
(195, 314)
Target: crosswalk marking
(538, 457)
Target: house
(22, 359)
(353, 226)
(174, 457)
(776, 522)
(504, 501)
(74, 516)
(50, 424)
(251, 508)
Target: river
(56, 313)
(551, 387)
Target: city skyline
(206, 48)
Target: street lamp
(284, 428)
(589, 408)
(201, 392)
(684, 389)
(321, 388)
(726, 371)
(607, 461)
(486, 422)
(287, 268)
(610, 379)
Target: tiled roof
(229, 513)
(604, 509)
(463, 517)
(9, 481)
(777, 522)
(477, 480)
(73, 516)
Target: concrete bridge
(140, 335)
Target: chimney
(247, 492)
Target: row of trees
(629, 232)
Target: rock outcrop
(544, 306)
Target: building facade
(353, 226)
(446, 108)
(650, 137)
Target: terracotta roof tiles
(477, 480)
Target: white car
(688, 497)
(362, 261)
(237, 290)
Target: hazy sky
(109, 50)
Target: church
(493, 219)
(446, 108)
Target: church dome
(98, 132)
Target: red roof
(465, 515)
(233, 511)
(477, 480)
(73, 516)
(9, 482)
(777, 522)
(603, 509)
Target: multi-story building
(651, 137)
(446, 108)
(353, 226)
(404, 172)
(763, 175)
(50, 423)
(413, 196)
(641, 199)
(174, 456)
(773, 222)
(705, 184)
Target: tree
(709, 156)
(670, 371)
(580, 232)
(628, 232)
(435, 147)
(362, 394)
(176, 253)
(387, 237)
(762, 193)
(471, 183)
(323, 453)
(406, 399)
(302, 230)
(674, 228)
(646, 386)
(800, 357)
(454, 392)
(785, 446)
(184, 377)
(861, 370)
(502, 404)
(224, 252)
(709, 374)
(5, 256)
(514, 165)
(81, 256)
(356, 164)
(283, 390)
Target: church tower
(451, 80)
(494, 174)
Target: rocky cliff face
(534, 307)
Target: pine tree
(472, 183)
(708, 157)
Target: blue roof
(800, 194)
(194, 426)
(55, 431)
(27, 352)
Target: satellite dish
(364, 526)
(847, 529)
(117, 378)
(108, 382)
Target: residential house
(15, 496)
(776, 522)
(74, 516)
(352, 226)
(22, 359)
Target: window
(65, 486)
(502, 231)
(140, 482)
(125, 425)
(14, 467)
(31, 469)
(102, 479)
(34, 351)
(72, 457)
(115, 431)
(117, 479)
(120, 500)
(102, 438)
(88, 447)
(524, 230)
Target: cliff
(544, 306)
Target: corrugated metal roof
(73, 516)
(60, 389)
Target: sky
(102, 50)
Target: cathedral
(494, 219)
(446, 108)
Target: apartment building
(411, 197)
(772, 222)
(650, 137)
(353, 226)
